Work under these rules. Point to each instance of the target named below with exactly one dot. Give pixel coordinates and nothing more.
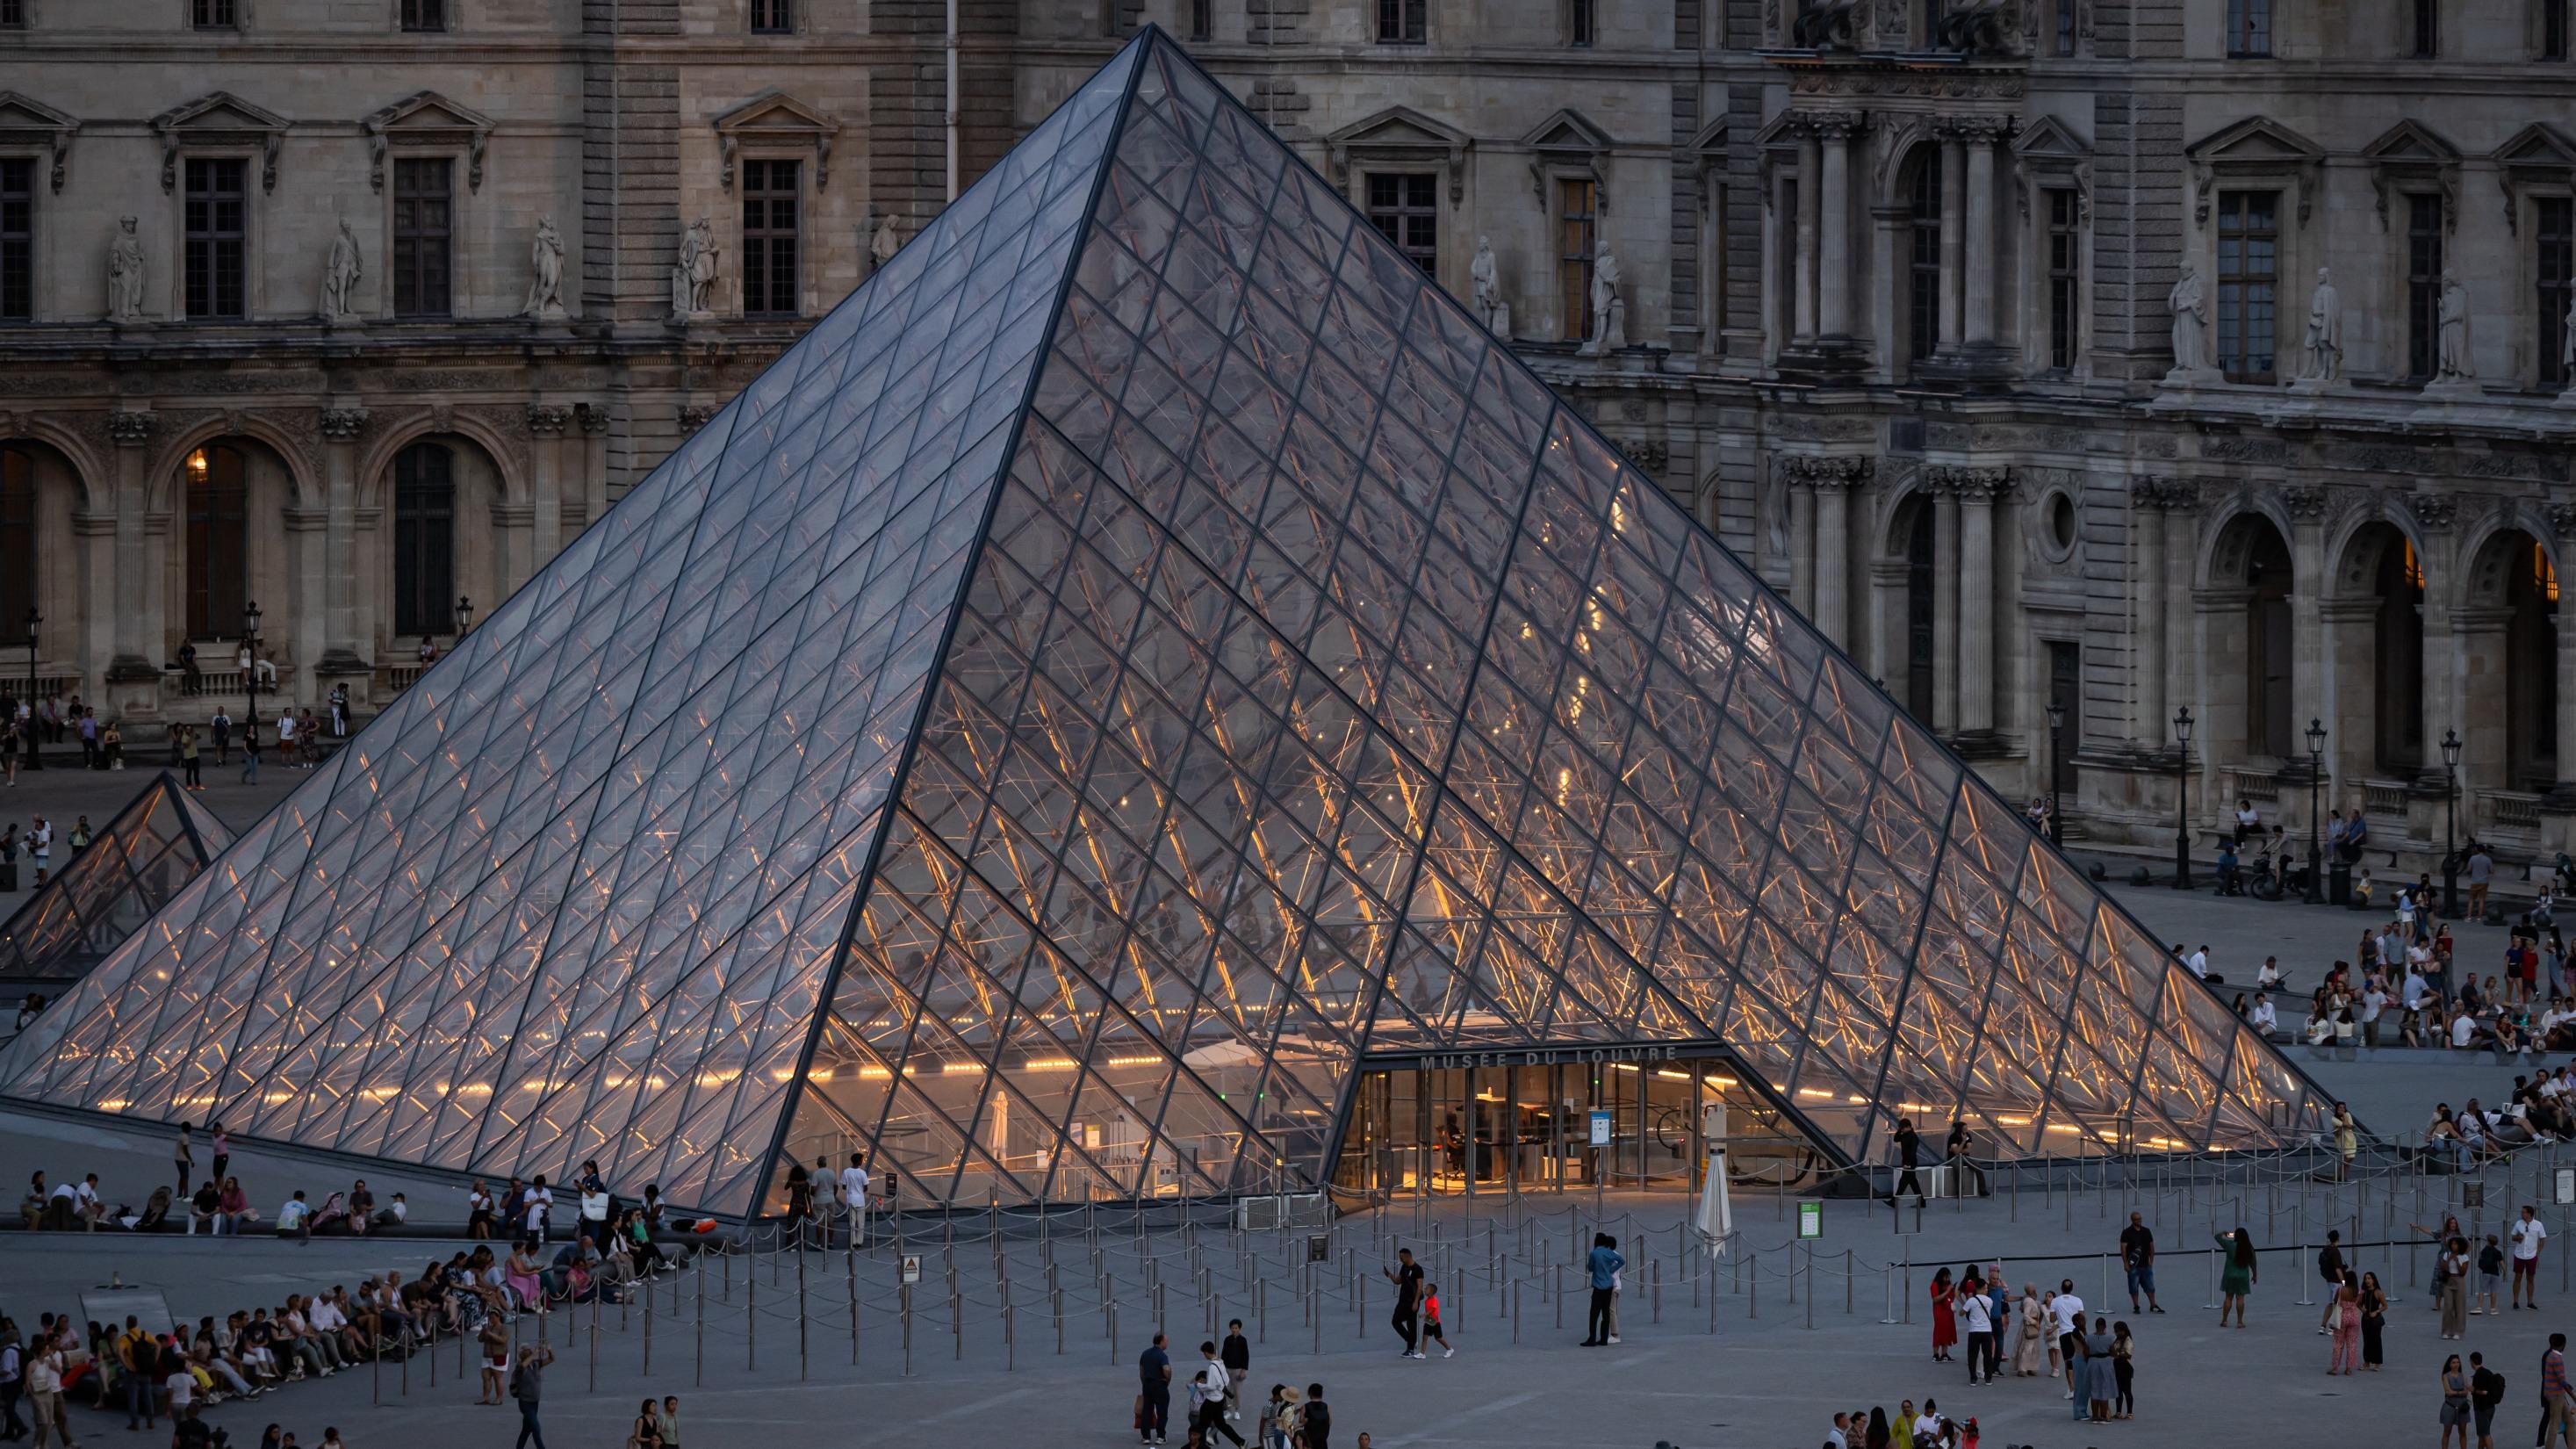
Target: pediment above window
(776, 118)
(1403, 136)
(2254, 148)
(2051, 154)
(2538, 155)
(427, 118)
(219, 119)
(2411, 157)
(1569, 141)
(26, 121)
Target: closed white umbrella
(1715, 1218)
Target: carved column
(1833, 301)
(1802, 539)
(1979, 325)
(139, 627)
(2445, 699)
(1945, 604)
(1823, 564)
(2147, 498)
(1810, 170)
(343, 650)
(546, 424)
(1972, 493)
(1954, 205)
(594, 462)
(2562, 518)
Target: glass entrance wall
(1424, 1129)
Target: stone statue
(2454, 333)
(886, 244)
(1484, 283)
(2567, 344)
(545, 263)
(1609, 314)
(340, 277)
(125, 274)
(2190, 319)
(2325, 332)
(693, 276)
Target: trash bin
(2339, 884)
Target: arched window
(2531, 669)
(2269, 650)
(1922, 621)
(2398, 640)
(218, 490)
(17, 538)
(424, 539)
(1923, 257)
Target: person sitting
(2263, 1017)
(2271, 977)
(206, 1209)
(2320, 1027)
(2466, 1034)
(2346, 1030)
(334, 1213)
(2442, 1144)
(2229, 880)
(2508, 1037)
(2362, 889)
(155, 1210)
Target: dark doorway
(2268, 647)
(2531, 665)
(2398, 644)
(1922, 621)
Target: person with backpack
(2490, 1277)
(527, 1385)
(1315, 1420)
(2486, 1392)
(1209, 1392)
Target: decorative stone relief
(340, 273)
(547, 421)
(130, 427)
(2434, 512)
(341, 425)
(2304, 502)
(1832, 470)
(125, 273)
(694, 416)
(545, 266)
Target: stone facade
(1897, 312)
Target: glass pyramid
(1143, 653)
(134, 865)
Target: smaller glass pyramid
(133, 866)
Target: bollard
(853, 1266)
(800, 1317)
(751, 1316)
(903, 1292)
(1848, 1289)
(702, 1322)
(648, 1336)
(1753, 1300)
(1516, 1310)
(1654, 1290)
(1010, 1332)
(1558, 1269)
(1905, 1300)
(594, 1340)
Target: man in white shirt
(87, 1205)
(854, 1196)
(2069, 1310)
(2464, 1032)
(2527, 1235)
(1211, 1415)
(2263, 1018)
(2374, 1000)
(2417, 988)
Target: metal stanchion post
(594, 1341)
(1654, 1290)
(800, 1315)
(702, 1322)
(903, 1299)
(751, 1315)
(648, 1334)
(1811, 1287)
(1848, 1288)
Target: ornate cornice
(694, 416)
(1978, 484)
(1947, 84)
(1838, 470)
(2158, 493)
(2434, 512)
(594, 418)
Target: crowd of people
(1216, 1389)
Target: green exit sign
(1811, 1220)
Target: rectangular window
(2554, 233)
(2066, 691)
(424, 15)
(772, 17)
(1403, 22)
(2249, 28)
(13, 14)
(2427, 29)
(213, 14)
(422, 228)
(769, 199)
(215, 229)
(17, 240)
(2553, 29)
(1402, 206)
(2423, 285)
(1202, 19)
(1578, 22)
(2065, 276)
(1575, 238)
(2066, 27)
(2249, 265)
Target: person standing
(1315, 1421)
(1976, 1317)
(1154, 1393)
(2528, 1236)
(2343, 1325)
(2030, 1344)
(250, 752)
(2557, 1414)
(2490, 1277)
(2454, 1278)
(1431, 1322)
(40, 839)
(854, 1197)
(2486, 1392)
(1236, 1354)
(2455, 1401)
(2138, 1262)
(1602, 1267)
(2124, 1371)
(183, 1156)
(2330, 1269)
(45, 1390)
(2069, 1313)
(667, 1421)
(2236, 1280)
(527, 1384)
(2374, 1320)
(221, 727)
(2101, 1379)
(1407, 1278)
(188, 767)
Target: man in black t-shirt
(2138, 1260)
(1407, 1278)
(1315, 1425)
(2486, 1391)
(1154, 1382)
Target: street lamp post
(2316, 774)
(35, 757)
(2056, 723)
(464, 618)
(2182, 798)
(250, 677)
(2450, 824)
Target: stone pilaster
(343, 651)
(1976, 490)
(135, 671)
(1824, 562)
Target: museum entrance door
(1523, 1121)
